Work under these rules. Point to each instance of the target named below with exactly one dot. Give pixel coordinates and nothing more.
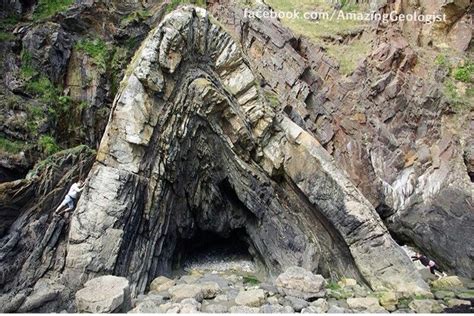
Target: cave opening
(209, 252)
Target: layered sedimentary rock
(387, 125)
(193, 145)
(33, 238)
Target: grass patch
(250, 279)
(11, 146)
(5, 37)
(48, 8)
(326, 32)
(96, 49)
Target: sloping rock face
(192, 144)
(32, 238)
(387, 125)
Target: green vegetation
(333, 286)
(48, 8)
(441, 60)
(96, 48)
(49, 107)
(250, 279)
(272, 98)
(403, 302)
(464, 73)
(175, 3)
(6, 27)
(135, 17)
(48, 145)
(327, 30)
(11, 146)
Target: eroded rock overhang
(192, 143)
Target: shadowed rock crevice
(193, 145)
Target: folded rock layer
(193, 144)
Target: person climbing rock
(428, 263)
(71, 197)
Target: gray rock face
(49, 48)
(105, 294)
(407, 170)
(32, 238)
(254, 168)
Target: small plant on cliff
(48, 145)
(135, 17)
(11, 146)
(96, 48)
(47, 8)
(464, 73)
(6, 26)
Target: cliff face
(238, 127)
(388, 125)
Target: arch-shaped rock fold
(193, 143)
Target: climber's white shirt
(74, 190)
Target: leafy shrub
(464, 73)
(48, 145)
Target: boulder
(146, 307)
(365, 304)
(320, 306)
(182, 291)
(210, 289)
(189, 306)
(105, 294)
(252, 298)
(296, 303)
(161, 283)
(465, 295)
(346, 282)
(276, 309)
(425, 306)
(214, 308)
(243, 310)
(334, 309)
(439, 295)
(449, 282)
(301, 283)
(388, 300)
(456, 302)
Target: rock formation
(242, 130)
(192, 144)
(387, 125)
